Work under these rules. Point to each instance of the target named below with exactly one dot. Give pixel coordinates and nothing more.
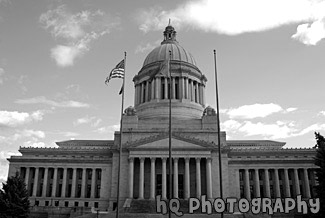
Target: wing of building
(81, 174)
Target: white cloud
(108, 129)
(147, 47)
(273, 131)
(85, 120)
(32, 133)
(312, 128)
(78, 30)
(15, 118)
(291, 109)
(322, 113)
(2, 72)
(44, 100)
(71, 134)
(35, 144)
(230, 125)
(253, 111)
(235, 16)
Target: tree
(320, 173)
(14, 200)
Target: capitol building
(81, 175)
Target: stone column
(46, 172)
(197, 92)
(209, 178)
(164, 179)
(64, 182)
(247, 186)
(141, 93)
(198, 178)
(35, 181)
(83, 182)
(181, 87)
(55, 179)
(157, 85)
(135, 94)
(306, 184)
(131, 172)
(166, 88)
(203, 95)
(152, 89)
(193, 91)
(141, 179)
(277, 183)
(286, 182)
(147, 91)
(185, 87)
(187, 178)
(27, 177)
(175, 177)
(257, 184)
(152, 178)
(173, 88)
(93, 183)
(267, 183)
(296, 178)
(73, 186)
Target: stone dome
(161, 53)
(170, 43)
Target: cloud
(85, 120)
(108, 129)
(2, 72)
(35, 144)
(147, 47)
(234, 17)
(253, 111)
(32, 133)
(312, 128)
(15, 118)
(321, 113)
(44, 100)
(77, 30)
(291, 109)
(272, 131)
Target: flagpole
(170, 134)
(120, 150)
(218, 125)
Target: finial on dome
(169, 34)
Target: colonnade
(277, 182)
(62, 182)
(161, 166)
(158, 88)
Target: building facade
(83, 173)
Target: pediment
(163, 144)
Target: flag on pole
(117, 72)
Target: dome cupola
(169, 65)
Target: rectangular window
(76, 203)
(86, 204)
(99, 174)
(66, 203)
(96, 205)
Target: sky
(55, 56)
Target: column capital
(152, 159)
(131, 159)
(187, 159)
(198, 159)
(208, 159)
(141, 159)
(175, 159)
(164, 159)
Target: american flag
(117, 72)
